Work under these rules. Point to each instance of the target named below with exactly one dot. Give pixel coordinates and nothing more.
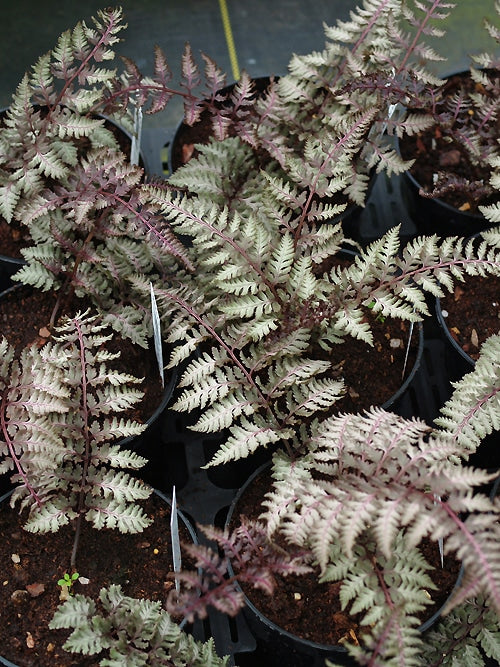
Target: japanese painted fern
(60, 422)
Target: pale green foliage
(66, 181)
(328, 135)
(39, 137)
(93, 243)
(492, 212)
(34, 397)
(132, 632)
(59, 423)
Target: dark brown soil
(372, 375)
(13, 238)
(434, 152)
(473, 312)
(25, 311)
(140, 563)
(317, 615)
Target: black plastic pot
(8, 266)
(457, 361)
(435, 216)
(276, 646)
(182, 520)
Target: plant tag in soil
(407, 352)
(137, 136)
(157, 334)
(174, 536)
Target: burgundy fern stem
(231, 242)
(359, 42)
(437, 4)
(102, 41)
(373, 662)
(477, 408)
(144, 219)
(343, 141)
(185, 306)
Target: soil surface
(312, 610)
(33, 563)
(473, 312)
(434, 152)
(373, 375)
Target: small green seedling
(379, 317)
(68, 581)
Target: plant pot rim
(409, 378)
(351, 252)
(15, 261)
(333, 648)
(444, 326)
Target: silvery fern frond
(59, 436)
(473, 411)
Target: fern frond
(221, 415)
(245, 438)
(473, 411)
(111, 513)
(129, 629)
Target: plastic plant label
(137, 136)
(174, 536)
(407, 352)
(157, 334)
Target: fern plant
(453, 124)
(60, 421)
(58, 110)
(358, 504)
(130, 631)
(65, 179)
(350, 88)
(267, 302)
(88, 239)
